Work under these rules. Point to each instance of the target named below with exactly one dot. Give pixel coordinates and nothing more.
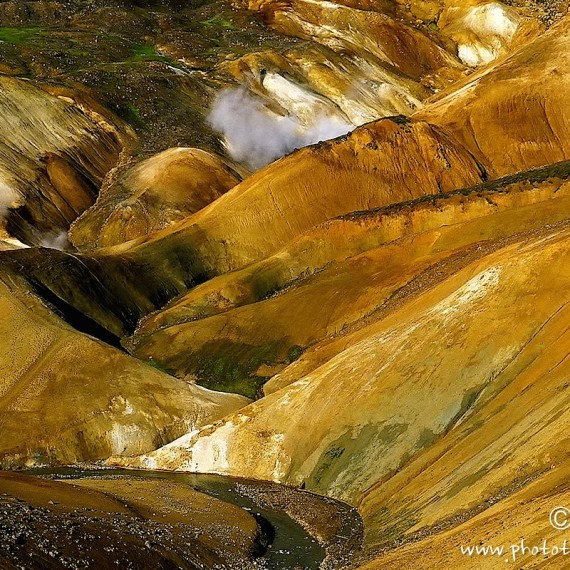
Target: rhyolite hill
(380, 318)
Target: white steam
(256, 136)
(55, 240)
(8, 197)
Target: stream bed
(291, 545)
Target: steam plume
(7, 197)
(256, 136)
(55, 240)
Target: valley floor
(81, 518)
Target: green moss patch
(230, 367)
(20, 36)
(146, 52)
(219, 21)
(353, 452)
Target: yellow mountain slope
(66, 397)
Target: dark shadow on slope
(73, 317)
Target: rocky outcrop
(364, 62)
(483, 31)
(369, 60)
(515, 105)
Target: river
(291, 546)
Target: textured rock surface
(66, 397)
(394, 299)
(367, 63)
(310, 186)
(120, 521)
(519, 511)
(55, 148)
(373, 59)
(329, 280)
(493, 401)
(232, 232)
(515, 105)
(152, 195)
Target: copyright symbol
(560, 518)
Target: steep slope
(364, 60)
(484, 31)
(290, 196)
(365, 64)
(159, 65)
(408, 308)
(55, 148)
(152, 195)
(515, 105)
(381, 163)
(66, 397)
(516, 526)
(251, 323)
(384, 162)
(493, 400)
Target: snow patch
(14, 243)
(495, 26)
(475, 55)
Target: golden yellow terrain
(221, 336)
(471, 350)
(152, 195)
(313, 185)
(291, 196)
(385, 162)
(516, 105)
(518, 523)
(395, 301)
(364, 60)
(360, 64)
(66, 397)
(329, 279)
(416, 353)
